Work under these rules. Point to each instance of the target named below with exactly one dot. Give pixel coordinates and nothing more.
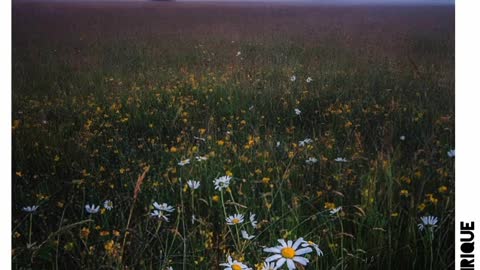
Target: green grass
(83, 133)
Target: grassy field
(306, 108)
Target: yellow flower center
(288, 252)
(236, 221)
(236, 267)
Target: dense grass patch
(94, 109)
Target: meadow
(252, 123)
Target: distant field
(276, 96)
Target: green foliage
(83, 134)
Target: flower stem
(225, 216)
(30, 231)
(430, 239)
(341, 240)
(126, 231)
(184, 227)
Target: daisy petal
(297, 243)
(280, 262)
(291, 264)
(282, 242)
(301, 260)
(303, 251)
(272, 249)
(273, 258)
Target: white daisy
(402, 138)
(91, 209)
(184, 162)
(239, 53)
(253, 221)
(199, 138)
(297, 111)
(268, 266)
(335, 210)
(311, 160)
(192, 184)
(451, 153)
(30, 209)
(235, 219)
(427, 222)
(305, 142)
(309, 80)
(315, 246)
(159, 214)
(288, 252)
(246, 236)
(201, 158)
(340, 159)
(107, 204)
(222, 182)
(278, 143)
(163, 207)
(293, 78)
(234, 265)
